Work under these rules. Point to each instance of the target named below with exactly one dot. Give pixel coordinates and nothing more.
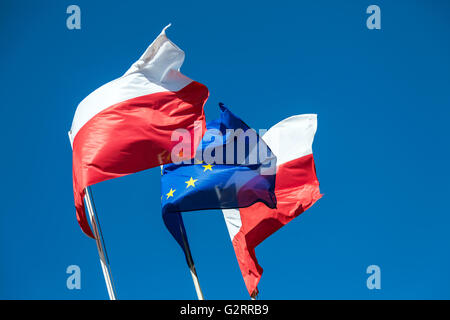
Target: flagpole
(191, 265)
(104, 261)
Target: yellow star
(170, 194)
(207, 167)
(191, 182)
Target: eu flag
(232, 168)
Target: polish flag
(126, 125)
(296, 189)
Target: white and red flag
(296, 189)
(126, 125)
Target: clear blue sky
(381, 150)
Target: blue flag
(232, 168)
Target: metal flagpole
(104, 261)
(191, 265)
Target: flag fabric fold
(126, 125)
(296, 190)
(237, 181)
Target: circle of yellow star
(170, 194)
(207, 167)
(191, 182)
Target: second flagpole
(191, 265)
